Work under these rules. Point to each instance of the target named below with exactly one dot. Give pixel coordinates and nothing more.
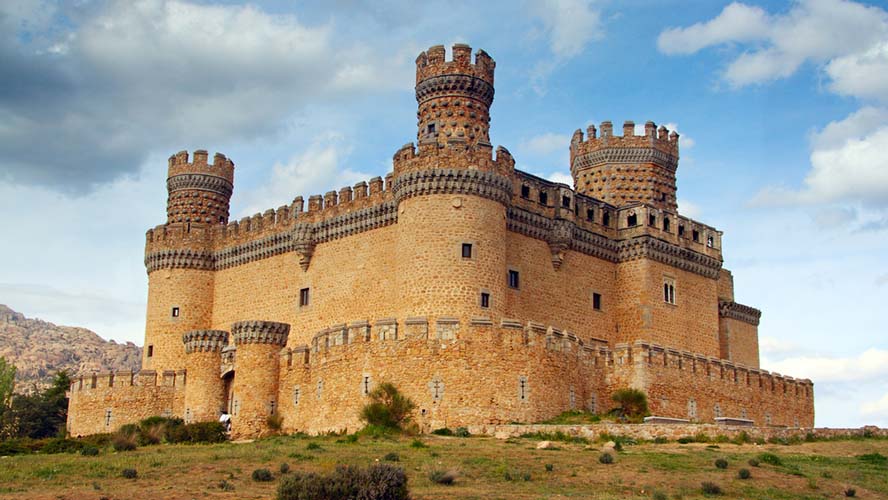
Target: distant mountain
(39, 349)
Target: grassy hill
(485, 467)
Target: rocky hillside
(39, 349)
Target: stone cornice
(454, 85)
(453, 181)
(739, 312)
(260, 332)
(204, 182)
(562, 234)
(624, 155)
(205, 340)
(179, 259)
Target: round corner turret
(199, 191)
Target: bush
(274, 422)
(61, 445)
(262, 475)
(462, 432)
(224, 485)
(660, 440)
(392, 457)
(205, 432)
(743, 474)
(387, 407)
(13, 447)
(442, 477)
(710, 488)
(444, 431)
(313, 446)
(377, 482)
(418, 444)
(125, 441)
(873, 458)
(550, 467)
(129, 473)
(285, 468)
(850, 492)
(721, 463)
(685, 440)
(89, 451)
(770, 458)
(632, 403)
(753, 462)
(606, 458)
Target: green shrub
(392, 457)
(262, 475)
(418, 444)
(753, 462)
(742, 438)
(710, 488)
(313, 446)
(442, 477)
(462, 432)
(444, 431)
(632, 403)
(89, 451)
(850, 492)
(129, 473)
(743, 474)
(206, 432)
(770, 458)
(13, 447)
(660, 440)
(721, 438)
(685, 440)
(377, 482)
(873, 458)
(285, 468)
(550, 467)
(387, 407)
(61, 445)
(606, 458)
(721, 463)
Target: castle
(486, 294)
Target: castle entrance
(228, 392)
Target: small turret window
(485, 300)
(513, 278)
(596, 301)
(666, 224)
(590, 214)
(467, 250)
(669, 290)
(431, 128)
(632, 220)
(681, 230)
(606, 219)
(710, 241)
(175, 312)
(150, 351)
(652, 220)
(303, 297)
(525, 191)
(565, 201)
(695, 235)
(544, 198)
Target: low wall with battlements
(101, 403)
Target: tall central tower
(454, 97)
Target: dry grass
(484, 468)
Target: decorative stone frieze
(260, 332)
(205, 340)
(454, 85)
(648, 247)
(180, 259)
(200, 182)
(739, 312)
(453, 181)
(625, 155)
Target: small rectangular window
(590, 214)
(666, 224)
(467, 250)
(652, 220)
(695, 235)
(513, 279)
(632, 220)
(606, 219)
(710, 241)
(544, 198)
(525, 191)
(431, 128)
(596, 301)
(175, 312)
(303, 297)
(669, 290)
(150, 351)
(681, 230)
(565, 201)
(485, 300)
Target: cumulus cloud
(315, 169)
(877, 408)
(872, 363)
(569, 25)
(847, 164)
(775, 46)
(87, 105)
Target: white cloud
(872, 363)
(686, 142)
(771, 345)
(775, 46)
(315, 170)
(689, 209)
(545, 144)
(561, 177)
(877, 408)
(569, 24)
(861, 74)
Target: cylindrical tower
(257, 366)
(621, 170)
(199, 192)
(454, 97)
(452, 195)
(178, 256)
(204, 396)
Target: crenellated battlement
(220, 167)
(432, 63)
(120, 380)
(658, 139)
(199, 191)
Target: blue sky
(782, 108)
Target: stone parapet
(453, 181)
(260, 332)
(740, 312)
